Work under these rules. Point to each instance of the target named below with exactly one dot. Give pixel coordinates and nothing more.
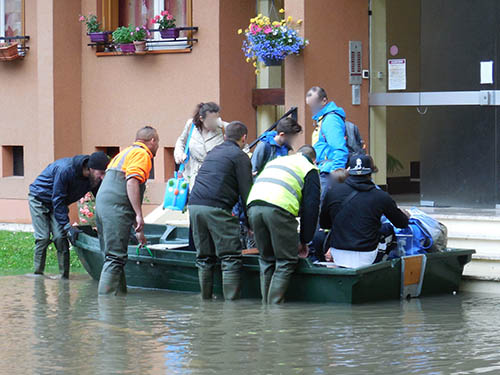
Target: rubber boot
(63, 260)
(231, 285)
(206, 279)
(40, 255)
(112, 281)
(277, 289)
(266, 275)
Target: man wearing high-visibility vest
(286, 188)
(119, 207)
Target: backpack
(354, 142)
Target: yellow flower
(276, 23)
(282, 10)
(254, 64)
(257, 71)
(246, 30)
(248, 59)
(299, 22)
(259, 15)
(289, 19)
(240, 31)
(252, 20)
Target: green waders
(115, 218)
(216, 235)
(275, 232)
(45, 223)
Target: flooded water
(62, 327)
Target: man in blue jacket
(63, 182)
(329, 137)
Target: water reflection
(60, 327)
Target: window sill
(13, 177)
(153, 52)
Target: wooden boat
(169, 264)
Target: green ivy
(124, 35)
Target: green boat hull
(176, 270)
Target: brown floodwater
(62, 327)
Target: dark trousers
(216, 235)
(45, 225)
(277, 239)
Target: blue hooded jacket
(61, 184)
(331, 148)
(268, 149)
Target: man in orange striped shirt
(119, 207)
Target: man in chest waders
(286, 188)
(119, 207)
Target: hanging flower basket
(271, 42)
(8, 52)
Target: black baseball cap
(360, 165)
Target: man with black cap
(63, 182)
(352, 210)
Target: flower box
(99, 37)
(172, 33)
(8, 51)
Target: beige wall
(329, 25)
(63, 100)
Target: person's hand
(141, 238)
(73, 233)
(139, 223)
(303, 250)
(407, 213)
(328, 255)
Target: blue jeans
(324, 180)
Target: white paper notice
(397, 74)
(486, 72)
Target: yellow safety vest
(281, 181)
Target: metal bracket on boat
(144, 247)
(412, 275)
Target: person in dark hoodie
(352, 211)
(63, 182)
(329, 137)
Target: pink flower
(90, 215)
(132, 34)
(81, 19)
(137, 29)
(157, 18)
(170, 17)
(164, 13)
(267, 29)
(84, 221)
(153, 20)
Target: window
(11, 18)
(140, 12)
(168, 162)
(12, 161)
(111, 151)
